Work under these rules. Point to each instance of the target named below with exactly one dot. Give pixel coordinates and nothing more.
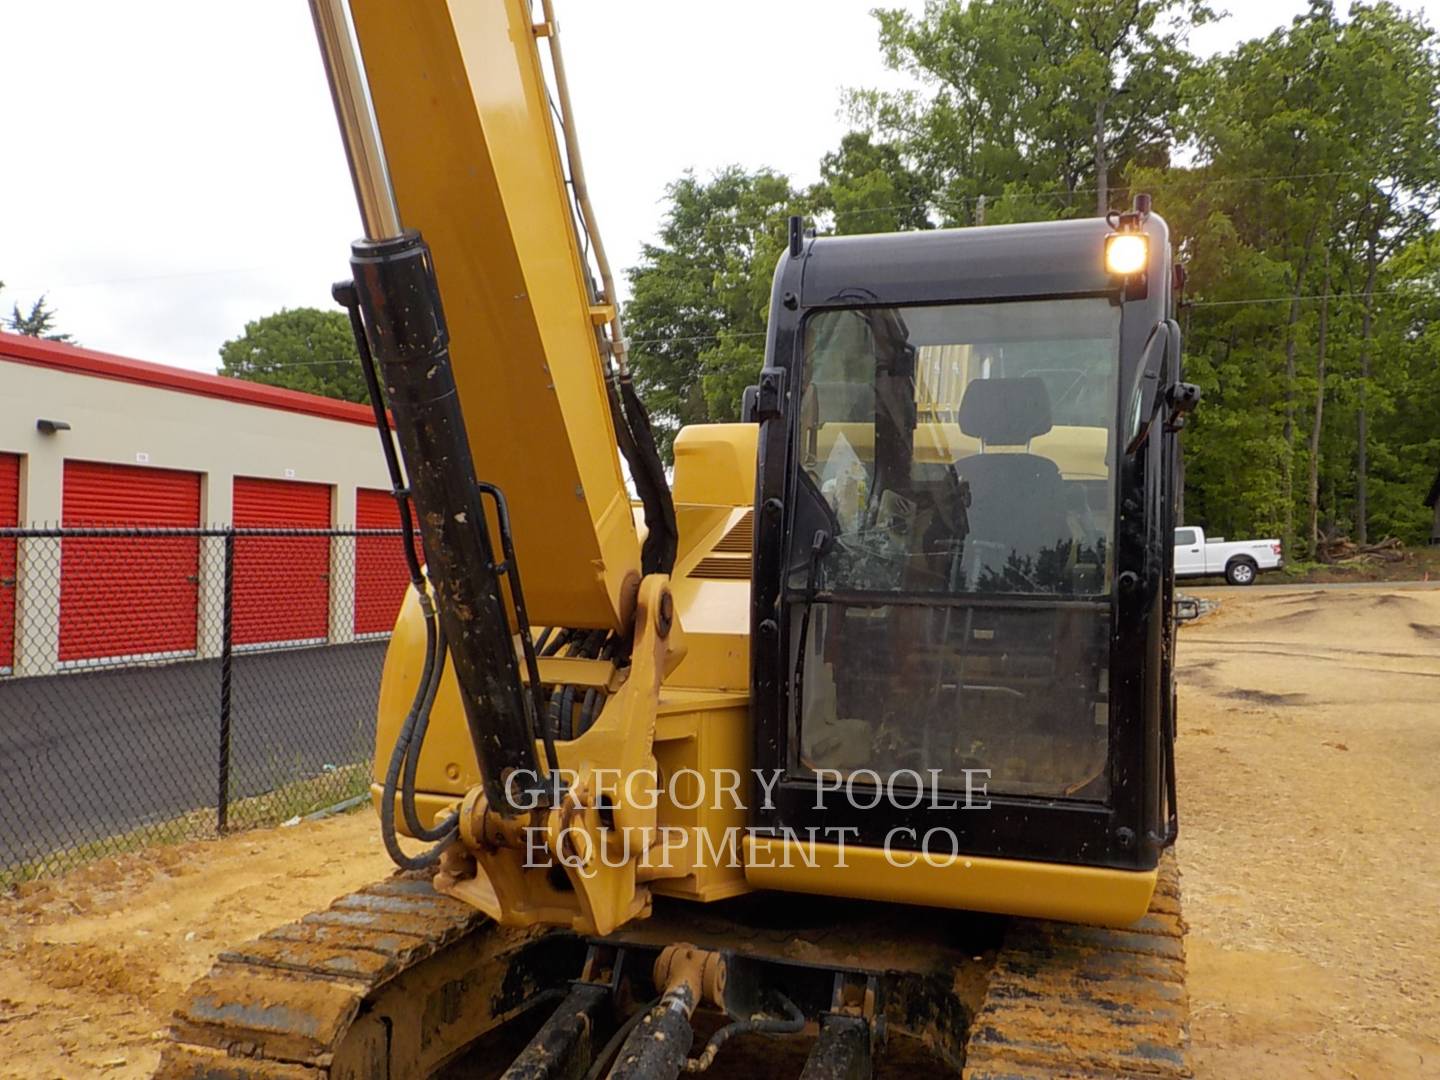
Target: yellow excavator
(843, 750)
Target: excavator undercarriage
(398, 981)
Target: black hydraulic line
(561, 1048)
(658, 1047)
(398, 756)
(636, 439)
(602, 1059)
(567, 712)
(587, 710)
(791, 1023)
(552, 712)
(842, 1050)
(554, 644)
(417, 828)
(510, 568)
(405, 328)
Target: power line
(958, 201)
(1418, 292)
(1318, 296)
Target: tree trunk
(1289, 467)
(1362, 453)
(1315, 427)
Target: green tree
(1319, 161)
(1406, 384)
(301, 349)
(866, 187)
(700, 296)
(1041, 99)
(39, 322)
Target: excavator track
(1088, 1003)
(388, 981)
(396, 980)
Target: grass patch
(301, 797)
(295, 799)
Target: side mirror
(1182, 399)
(1187, 609)
(1145, 393)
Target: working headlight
(1126, 253)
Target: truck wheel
(1240, 572)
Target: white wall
(129, 424)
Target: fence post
(227, 618)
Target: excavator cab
(961, 607)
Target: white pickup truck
(1239, 560)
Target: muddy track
(1085, 1002)
(332, 995)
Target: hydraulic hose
(602, 1059)
(432, 674)
(403, 762)
(794, 1021)
(398, 756)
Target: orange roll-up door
(381, 574)
(128, 596)
(282, 583)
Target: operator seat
(1019, 534)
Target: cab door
(1189, 552)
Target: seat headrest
(1005, 412)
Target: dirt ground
(1309, 737)
(1309, 740)
(92, 964)
(1418, 564)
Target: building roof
(61, 357)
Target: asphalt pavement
(93, 754)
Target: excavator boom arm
(459, 145)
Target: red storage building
(296, 568)
(128, 597)
(92, 439)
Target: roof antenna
(797, 236)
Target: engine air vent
(721, 568)
(729, 560)
(741, 538)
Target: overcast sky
(172, 168)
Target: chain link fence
(167, 684)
